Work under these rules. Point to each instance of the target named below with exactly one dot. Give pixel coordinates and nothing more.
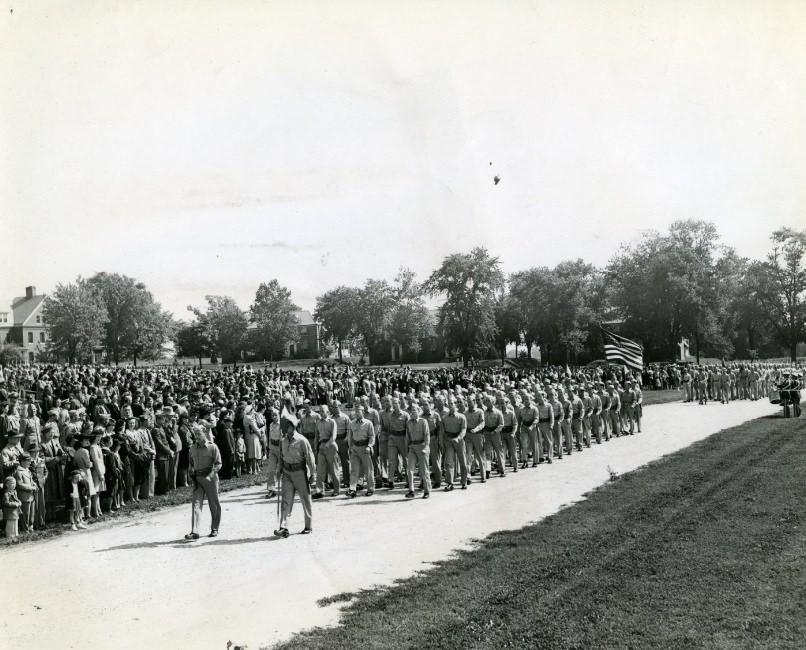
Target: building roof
(304, 319)
(25, 307)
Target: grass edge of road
(635, 564)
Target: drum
(775, 396)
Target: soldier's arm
(371, 443)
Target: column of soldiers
(430, 441)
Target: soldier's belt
(452, 436)
(397, 433)
(529, 423)
(294, 467)
(416, 442)
(344, 437)
(360, 443)
(544, 420)
(508, 429)
(489, 429)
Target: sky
(205, 147)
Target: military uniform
(361, 440)
(454, 426)
(327, 455)
(418, 439)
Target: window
(30, 337)
(4, 317)
(38, 319)
(41, 337)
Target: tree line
(656, 289)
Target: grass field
(705, 548)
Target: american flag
(620, 350)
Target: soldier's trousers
(508, 439)
(586, 430)
(615, 422)
(568, 436)
(753, 390)
(596, 427)
(326, 461)
(435, 455)
(344, 459)
(628, 417)
(205, 487)
(576, 429)
(418, 454)
(558, 439)
(296, 483)
(474, 448)
(361, 462)
(273, 466)
(531, 442)
(493, 447)
(396, 445)
(455, 453)
(546, 435)
(383, 456)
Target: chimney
(30, 292)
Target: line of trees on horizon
(657, 289)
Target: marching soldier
(361, 441)
(327, 454)
(418, 440)
(396, 445)
(342, 421)
(509, 430)
(530, 433)
(307, 423)
(437, 442)
(614, 410)
(596, 415)
(474, 439)
(454, 426)
(299, 468)
(274, 459)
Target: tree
(410, 321)
(336, 310)
(469, 282)
(75, 316)
(373, 312)
(191, 341)
(779, 285)
(273, 314)
(665, 286)
(224, 325)
(527, 290)
(137, 326)
(508, 323)
(10, 354)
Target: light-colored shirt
(362, 431)
(298, 450)
(205, 458)
(417, 431)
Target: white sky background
(205, 147)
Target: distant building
(24, 324)
(309, 333)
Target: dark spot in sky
(497, 180)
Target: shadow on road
(181, 543)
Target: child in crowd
(26, 492)
(75, 506)
(240, 453)
(11, 507)
(39, 472)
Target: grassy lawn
(705, 548)
(662, 396)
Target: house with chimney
(24, 324)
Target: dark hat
(14, 434)
(32, 446)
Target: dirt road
(140, 585)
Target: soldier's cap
(14, 434)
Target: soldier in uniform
(529, 432)
(493, 425)
(274, 460)
(565, 423)
(596, 416)
(509, 430)
(307, 423)
(418, 440)
(437, 442)
(396, 445)
(205, 461)
(327, 454)
(361, 441)
(299, 468)
(342, 424)
(577, 417)
(614, 410)
(474, 439)
(454, 426)
(628, 409)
